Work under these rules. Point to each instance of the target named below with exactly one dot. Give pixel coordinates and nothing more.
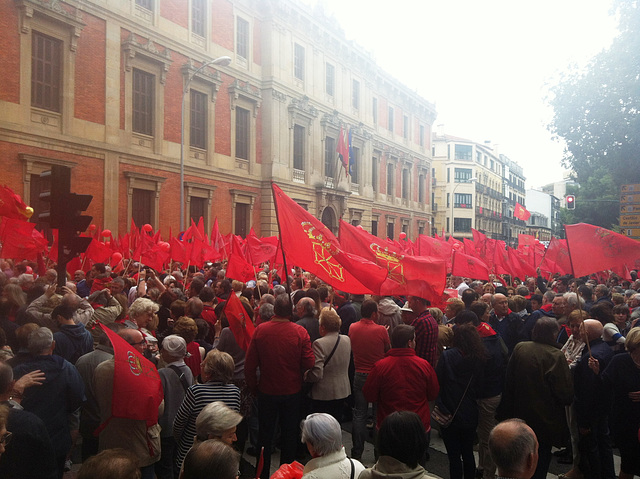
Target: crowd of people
(557, 361)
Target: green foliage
(597, 113)
(597, 202)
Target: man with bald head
(505, 322)
(596, 455)
(514, 448)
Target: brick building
(98, 86)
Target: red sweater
(282, 351)
(402, 381)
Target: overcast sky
(486, 64)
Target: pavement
(438, 464)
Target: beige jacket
(330, 382)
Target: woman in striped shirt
(217, 373)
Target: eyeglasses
(6, 438)
(144, 341)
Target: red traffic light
(571, 202)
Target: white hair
(322, 431)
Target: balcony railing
(462, 205)
(298, 176)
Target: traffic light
(57, 184)
(65, 214)
(571, 202)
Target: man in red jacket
(402, 381)
(282, 351)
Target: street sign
(629, 209)
(630, 189)
(631, 232)
(630, 221)
(630, 198)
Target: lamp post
(453, 195)
(222, 61)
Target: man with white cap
(176, 378)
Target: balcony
(463, 205)
(329, 182)
(298, 176)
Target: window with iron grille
(421, 188)
(375, 174)
(198, 125)
(143, 99)
(298, 147)
(405, 126)
(298, 62)
(198, 16)
(242, 38)
(46, 72)
(330, 79)
(421, 135)
(390, 120)
(329, 156)
(242, 133)
(374, 227)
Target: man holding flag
(130, 398)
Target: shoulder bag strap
(463, 395)
(353, 467)
(181, 376)
(326, 361)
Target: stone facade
(98, 86)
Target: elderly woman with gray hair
(322, 434)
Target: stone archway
(329, 219)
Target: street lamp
(222, 61)
(453, 195)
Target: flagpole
(568, 248)
(284, 258)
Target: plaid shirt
(426, 337)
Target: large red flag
(240, 325)
(98, 252)
(594, 249)
(468, 267)
(238, 267)
(556, 258)
(416, 275)
(307, 243)
(134, 376)
(521, 212)
(12, 206)
(178, 250)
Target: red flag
(556, 258)
(428, 246)
(12, 206)
(468, 267)
(178, 250)
(343, 149)
(521, 212)
(526, 240)
(155, 257)
(241, 326)
(594, 249)
(98, 252)
(307, 243)
(134, 376)
(218, 240)
(20, 240)
(238, 267)
(261, 250)
(416, 275)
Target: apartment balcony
(298, 176)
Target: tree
(597, 113)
